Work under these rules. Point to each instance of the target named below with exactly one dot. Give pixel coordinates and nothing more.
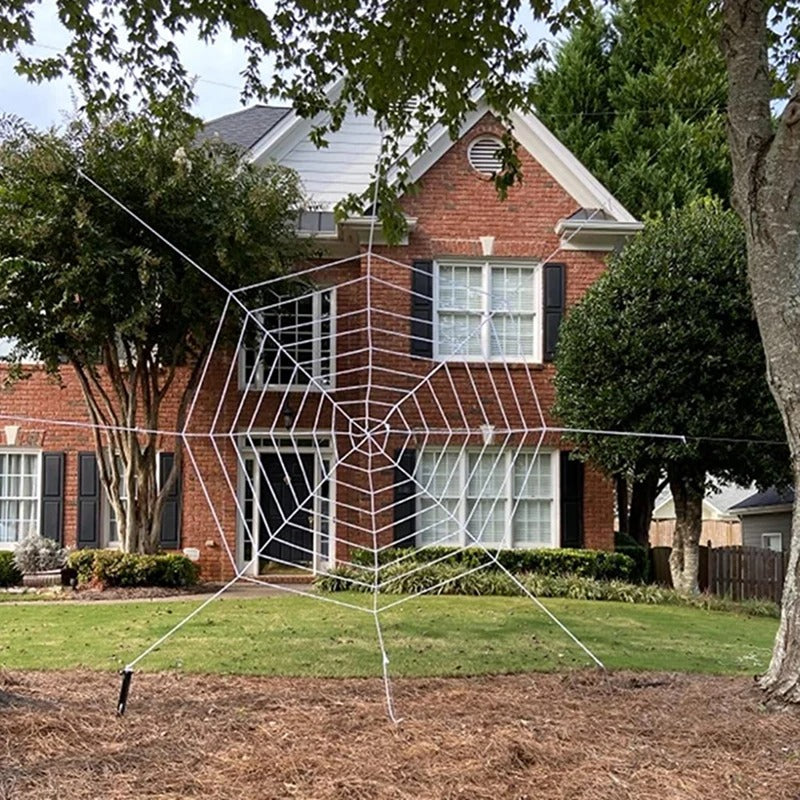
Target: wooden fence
(741, 573)
(721, 532)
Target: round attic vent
(484, 154)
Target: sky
(216, 66)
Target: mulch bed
(580, 736)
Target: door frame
(249, 449)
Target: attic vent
(483, 154)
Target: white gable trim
(562, 164)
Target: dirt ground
(580, 736)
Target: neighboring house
(766, 519)
(720, 525)
(534, 255)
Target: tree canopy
(632, 101)
(83, 282)
(666, 343)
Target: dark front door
(288, 507)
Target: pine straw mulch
(579, 736)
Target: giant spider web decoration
(348, 434)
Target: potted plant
(40, 561)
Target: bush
(36, 554)
(453, 579)
(410, 578)
(599, 564)
(113, 568)
(9, 574)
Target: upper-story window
(319, 223)
(488, 310)
(295, 346)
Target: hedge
(114, 568)
(454, 580)
(9, 574)
(598, 564)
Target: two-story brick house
(402, 397)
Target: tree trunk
(766, 171)
(684, 560)
(621, 489)
(643, 498)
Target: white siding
(344, 166)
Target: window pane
(439, 475)
(533, 478)
(460, 334)
(487, 474)
(437, 521)
(513, 336)
(487, 522)
(531, 526)
(512, 289)
(461, 288)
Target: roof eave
(588, 234)
(366, 227)
(773, 509)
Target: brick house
(399, 380)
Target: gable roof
(246, 127)
(347, 163)
(769, 499)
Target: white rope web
(329, 396)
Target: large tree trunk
(766, 170)
(684, 560)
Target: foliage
(36, 553)
(599, 564)
(627, 96)
(9, 573)
(84, 284)
(109, 568)
(665, 342)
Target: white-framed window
(299, 348)
(491, 497)
(488, 310)
(772, 541)
(20, 479)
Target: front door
(287, 505)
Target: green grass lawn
(296, 636)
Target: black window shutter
(571, 501)
(88, 501)
(52, 519)
(554, 301)
(405, 511)
(422, 309)
(171, 514)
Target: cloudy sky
(217, 68)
